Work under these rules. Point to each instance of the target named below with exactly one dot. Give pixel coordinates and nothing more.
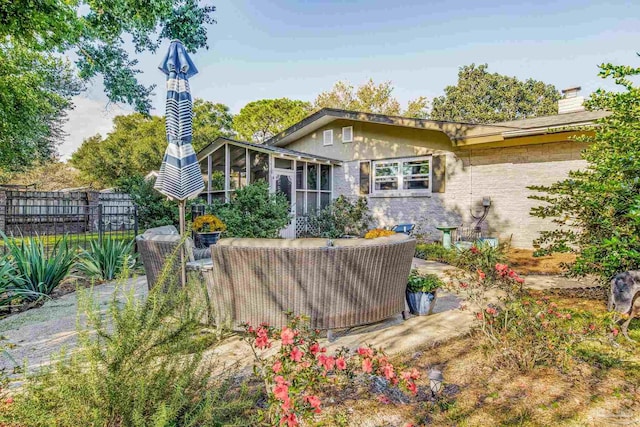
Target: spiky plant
(106, 259)
(38, 273)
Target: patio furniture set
(339, 283)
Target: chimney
(571, 102)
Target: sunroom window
(400, 176)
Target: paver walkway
(39, 333)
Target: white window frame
(400, 177)
(325, 140)
(344, 140)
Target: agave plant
(107, 258)
(37, 273)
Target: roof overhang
(275, 151)
(327, 115)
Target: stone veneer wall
(500, 173)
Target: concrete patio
(38, 334)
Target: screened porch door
(284, 181)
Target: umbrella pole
(183, 264)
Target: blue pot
(207, 239)
(421, 303)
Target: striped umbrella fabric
(180, 177)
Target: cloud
(89, 117)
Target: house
(411, 170)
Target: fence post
(100, 224)
(3, 211)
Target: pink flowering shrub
(301, 370)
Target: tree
(96, 31)
(209, 122)
(47, 176)
(369, 98)
(137, 144)
(154, 209)
(597, 210)
(481, 97)
(35, 92)
(260, 120)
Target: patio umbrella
(180, 177)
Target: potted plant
(421, 292)
(208, 229)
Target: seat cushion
(273, 243)
(394, 238)
(161, 231)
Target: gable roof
(456, 131)
(284, 152)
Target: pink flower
(464, 285)
(410, 375)
(492, 311)
(383, 399)
(615, 332)
(287, 336)
(327, 361)
(365, 351)
(277, 367)
(367, 365)
(296, 354)
(475, 250)
(315, 402)
(481, 274)
(412, 387)
(314, 348)
(281, 391)
(279, 379)
(262, 342)
(290, 420)
(387, 371)
(341, 364)
(286, 405)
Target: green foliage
(106, 259)
(342, 217)
(423, 282)
(35, 90)
(369, 98)
(597, 210)
(532, 332)
(38, 273)
(96, 31)
(209, 122)
(480, 97)
(260, 120)
(140, 364)
(154, 210)
(435, 252)
(137, 144)
(254, 212)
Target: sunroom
(305, 180)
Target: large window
(402, 176)
(313, 185)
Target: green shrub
(423, 282)
(434, 252)
(253, 211)
(37, 272)
(530, 332)
(140, 364)
(342, 217)
(154, 210)
(105, 259)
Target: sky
(297, 49)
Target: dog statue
(625, 297)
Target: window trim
(344, 140)
(400, 177)
(324, 137)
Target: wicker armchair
(157, 245)
(352, 283)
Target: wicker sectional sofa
(338, 284)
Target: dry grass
(602, 389)
(523, 261)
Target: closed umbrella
(180, 177)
